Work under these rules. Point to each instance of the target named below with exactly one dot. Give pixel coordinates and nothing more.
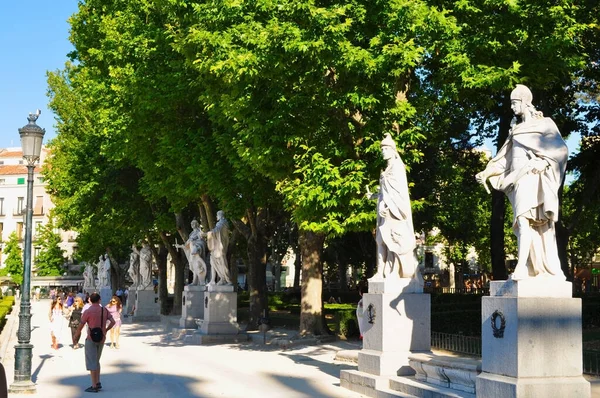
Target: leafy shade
(50, 260)
(14, 260)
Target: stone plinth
(128, 309)
(531, 341)
(192, 306)
(106, 294)
(399, 324)
(220, 317)
(147, 307)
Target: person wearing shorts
(95, 316)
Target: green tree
(13, 265)
(50, 260)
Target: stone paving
(149, 364)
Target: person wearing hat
(529, 169)
(395, 233)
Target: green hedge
(6, 305)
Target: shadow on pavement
(35, 373)
(325, 367)
(297, 384)
(130, 383)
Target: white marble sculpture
(106, 283)
(218, 240)
(134, 266)
(89, 282)
(100, 274)
(195, 251)
(145, 276)
(395, 233)
(529, 169)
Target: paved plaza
(149, 365)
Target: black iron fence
(460, 344)
(469, 345)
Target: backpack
(96, 333)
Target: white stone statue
(218, 240)
(100, 274)
(395, 233)
(134, 266)
(529, 169)
(145, 276)
(195, 251)
(89, 282)
(106, 273)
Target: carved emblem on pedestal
(371, 313)
(498, 325)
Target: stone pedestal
(192, 306)
(531, 341)
(89, 290)
(399, 324)
(130, 303)
(219, 324)
(106, 294)
(147, 307)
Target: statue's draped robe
(534, 196)
(395, 227)
(217, 241)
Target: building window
(40, 180)
(20, 205)
(428, 260)
(20, 230)
(1, 206)
(36, 253)
(21, 181)
(20, 162)
(2, 181)
(1, 230)
(38, 209)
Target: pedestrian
(75, 320)
(55, 315)
(70, 299)
(115, 307)
(96, 318)
(37, 293)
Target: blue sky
(34, 38)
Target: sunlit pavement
(149, 365)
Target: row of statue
(102, 274)
(198, 247)
(529, 169)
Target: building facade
(13, 202)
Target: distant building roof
(8, 170)
(5, 153)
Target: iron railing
(469, 345)
(460, 344)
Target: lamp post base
(23, 383)
(22, 387)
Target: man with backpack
(95, 317)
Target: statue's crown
(522, 93)
(388, 141)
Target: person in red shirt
(95, 316)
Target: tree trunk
(210, 212)
(311, 307)
(179, 265)
(256, 276)
(497, 236)
(297, 267)
(163, 293)
(498, 253)
(562, 240)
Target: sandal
(98, 386)
(91, 389)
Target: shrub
(347, 324)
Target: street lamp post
(31, 143)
